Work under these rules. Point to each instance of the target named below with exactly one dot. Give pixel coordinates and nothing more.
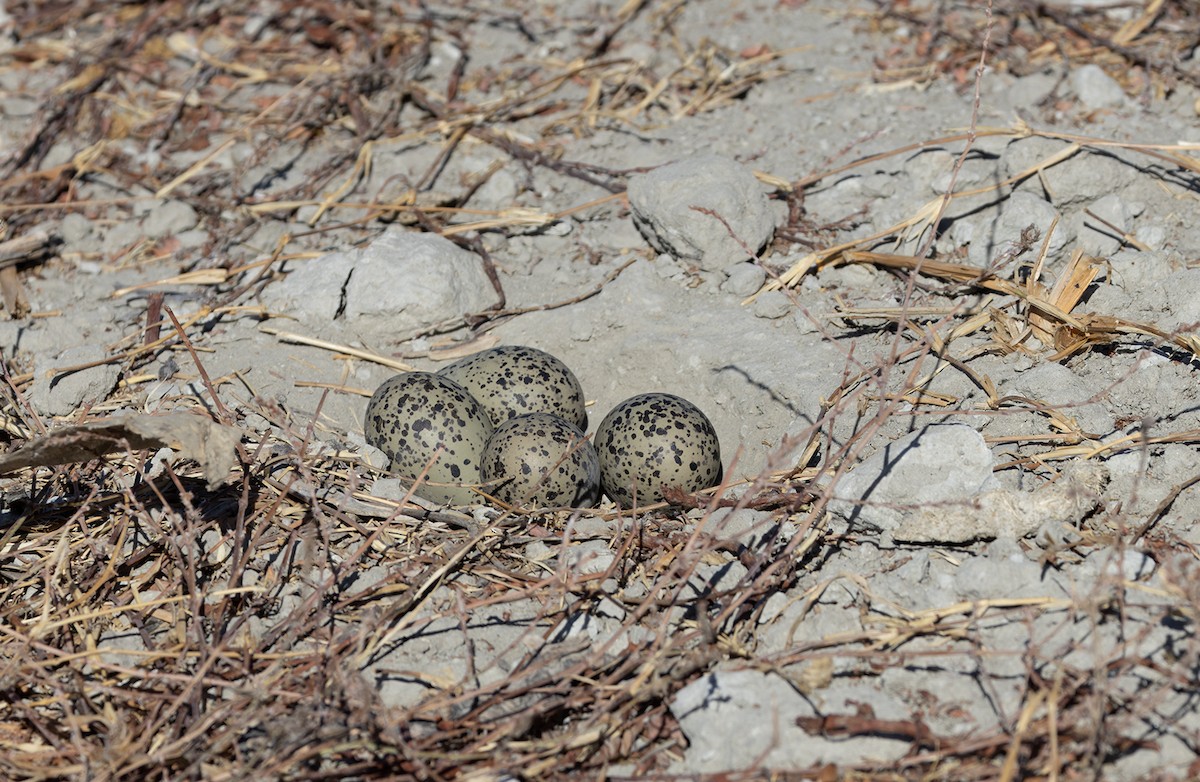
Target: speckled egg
(655, 440)
(411, 415)
(538, 460)
(514, 380)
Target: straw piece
(300, 339)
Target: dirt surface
(930, 271)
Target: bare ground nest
(202, 576)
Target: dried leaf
(85, 77)
(12, 293)
(210, 444)
(1081, 271)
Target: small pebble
(772, 304)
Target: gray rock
(776, 604)
(371, 455)
(193, 239)
(598, 625)
(939, 465)
(63, 394)
(1173, 749)
(588, 557)
(799, 623)
(1133, 270)
(751, 529)
(1096, 89)
(1021, 154)
(402, 282)
(392, 489)
(772, 305)
(707, 209)
(61, 151)
(744, 279)
(122, 645)
(169, 217)
(1029, 91)
(710, 579)
(994, 234)
(120, 237)
(924, 582)
(976, 172)
(1080, 179)
(418, 667)
(427, 656)
(1152, 236)
(1095, 237)
(1178, 294)
(1088, 176)
(762, 708)
(74, 228)
(1002, 513)
(17, 106)
(929, 165)
(1129, 565)
(265, 237)
(216, 547)
(1066, 392)
(1003, 572)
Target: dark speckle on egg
(654, 440)
(514, 380)
(417, 416)
(538, 460)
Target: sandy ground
(956, 536)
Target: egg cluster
(509, 423)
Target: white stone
(995, 234)
(708, 209)
(169, 217)
(935, 466)
(744, 279)
(1096, 89)
(402, 282)
(772, 305)
(737, 720)
(1104, 238)
(61, 395)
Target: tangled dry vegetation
(234, 569)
